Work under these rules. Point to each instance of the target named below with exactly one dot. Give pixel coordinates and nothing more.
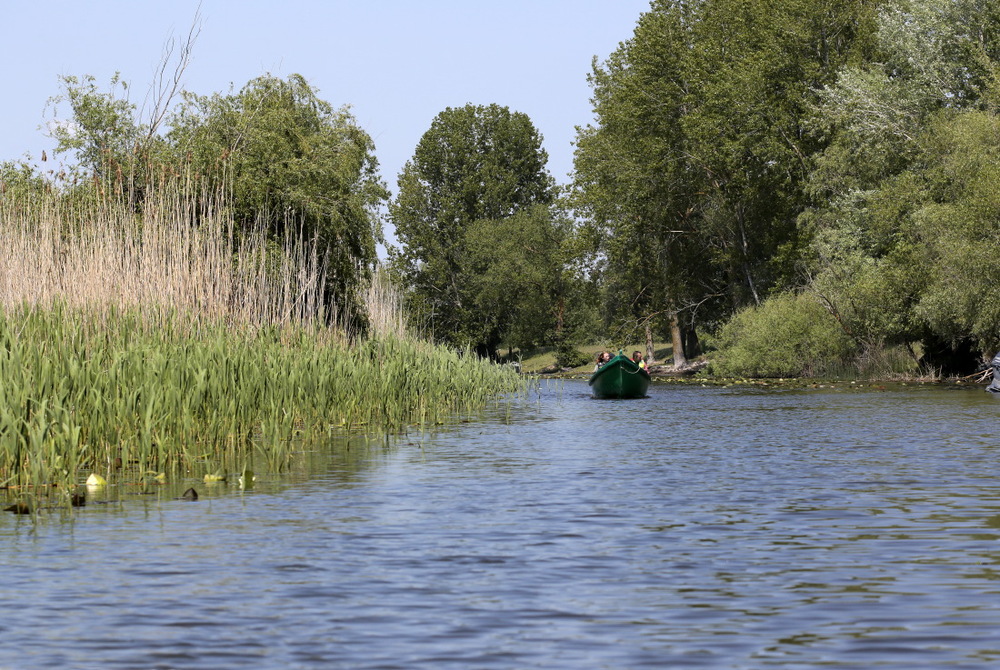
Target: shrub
(788, 335)
(568, 356)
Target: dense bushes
(568, 356)
(787, 336)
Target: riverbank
(795, 382)
(542, 363)
(145, 346)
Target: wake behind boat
(620, 377)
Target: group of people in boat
(605, 356)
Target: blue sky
(397, 63)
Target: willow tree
(472, 171)
(903, 217)
(287, 158)
(282, 156)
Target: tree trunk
(692, 346)
(677, 342)
(650, 349)
(560, 313)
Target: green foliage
(754, 68)
(695, 173)
(521, 279)
(20, 183)
(283, 157)
(286, 156)
(103, 132)
(901, 226)
(631, 180)
(479, 247)
(568, 356)
(788, 335)
(512, 278)
(866, 265)
(958, 225)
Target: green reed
(137, 343)
(118, 392)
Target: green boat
(620, 378)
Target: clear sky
(397, 63)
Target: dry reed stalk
(385, 307)
(181, 254)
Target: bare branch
(164, 89)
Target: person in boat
(639, 360)
(602, 358)
(994, 386)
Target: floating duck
(247, 479)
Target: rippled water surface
(696, 528)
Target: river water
(701, 527)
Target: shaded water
(697, 528)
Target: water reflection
(700, 527)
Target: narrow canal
(696, 528)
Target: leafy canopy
(472, 172)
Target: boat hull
(619, 378)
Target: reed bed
(152, 345)
(180, 254)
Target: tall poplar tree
(631, 181)
(475, 165)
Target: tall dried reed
(386, 312)
(179, 253)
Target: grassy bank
(140, 346)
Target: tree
(754, 66)
(521, 280)
(631, 182)
(287, 158)
(905, 179)
(472, 171)
(957, 225)
(20, 182)
(694, 173)
(282, 158)
(105, 131)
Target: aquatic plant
(84, 393)
(137, 344)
